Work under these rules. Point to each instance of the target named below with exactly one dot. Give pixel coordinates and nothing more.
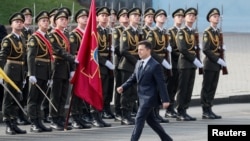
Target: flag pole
(69, 110)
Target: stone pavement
(233, 114)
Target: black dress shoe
(215, 116)
(207, 115)
(97, 123)
(84, 124)
(191, 118)
(18, 130)
(170, 114)
(118, 117)
(35, 129)
(10, 131)
(182, 117)
(76, 125)
(127, 121)
(107, 115)
(56, 126)
(23, 121)
(43, 127)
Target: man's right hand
(119, 90)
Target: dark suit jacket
(150, 86)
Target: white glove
(72, 73)
(76, 61)
(224, 47)
(166, 64)
(32, 79)
(24, 82)
(197, 63)
(112, 48)
(50, 83)
(169, 48)
(109, 65)
(222, 62)
(1, 81)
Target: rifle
(197, 42)
(167, 53)
(221, 43)
(141, 24)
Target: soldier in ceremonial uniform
(124, 22)
(113, 19)
(68, 28)
(26, 32)
(52, 14)
(106, 67)
(187, 64)
(178, 16)
(212, 64)
(62, 69)
(12, 60)
(81, 18)
(129, 57)
(39, 56)
(160, 50)
(148, 22)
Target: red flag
(87, 79)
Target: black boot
(43, 127)
(83, 123)
(126, 118)
(206, 114)
(22, 119)
(170, 112)
(107, 113)
(96, 119)
(46, 118)
(105, 124)
(34, 126)
(75, 123)
(212, 113)
(54, 124)
(16, 128)
(158, 116)
(9, 129)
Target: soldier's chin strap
(11, 94)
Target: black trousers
(10, 107)
(209, 86)
(35, 99)
(173, 85)
(107, 89)
(117, 100)
(129, 97)
(58, 96)
(147, 114)
(185, 89)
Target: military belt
(217, 54)
(15, 62)
(192, 52)
(161, 54)
(104, 54)
(57, 57)
(43, 60)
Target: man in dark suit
(148, 75)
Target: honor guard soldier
(52, 14)
(160, 50)
(113, 19)
(148, 22)
(62, 70)
(106, 67)
(212, 64)
(66, 9)
(117, 32)
(39, 56)
(12, 60)
(26, 32)
(187, 64)
(81, 18)
(129, 57)
(178, 16)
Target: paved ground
(238, 114)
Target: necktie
(140, 69)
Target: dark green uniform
(129, 57)
(62, 66)
(211, 67)
(173, 80)
(159, 43)
(12, 60)
(186, 43)
(116, 44)
(145, 31)
(77, 103)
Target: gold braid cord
(160, 42)
(18, 49)
(102, 42)
(215, 40)
(189, 39)
(42, 46)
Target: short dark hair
(147, 44)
